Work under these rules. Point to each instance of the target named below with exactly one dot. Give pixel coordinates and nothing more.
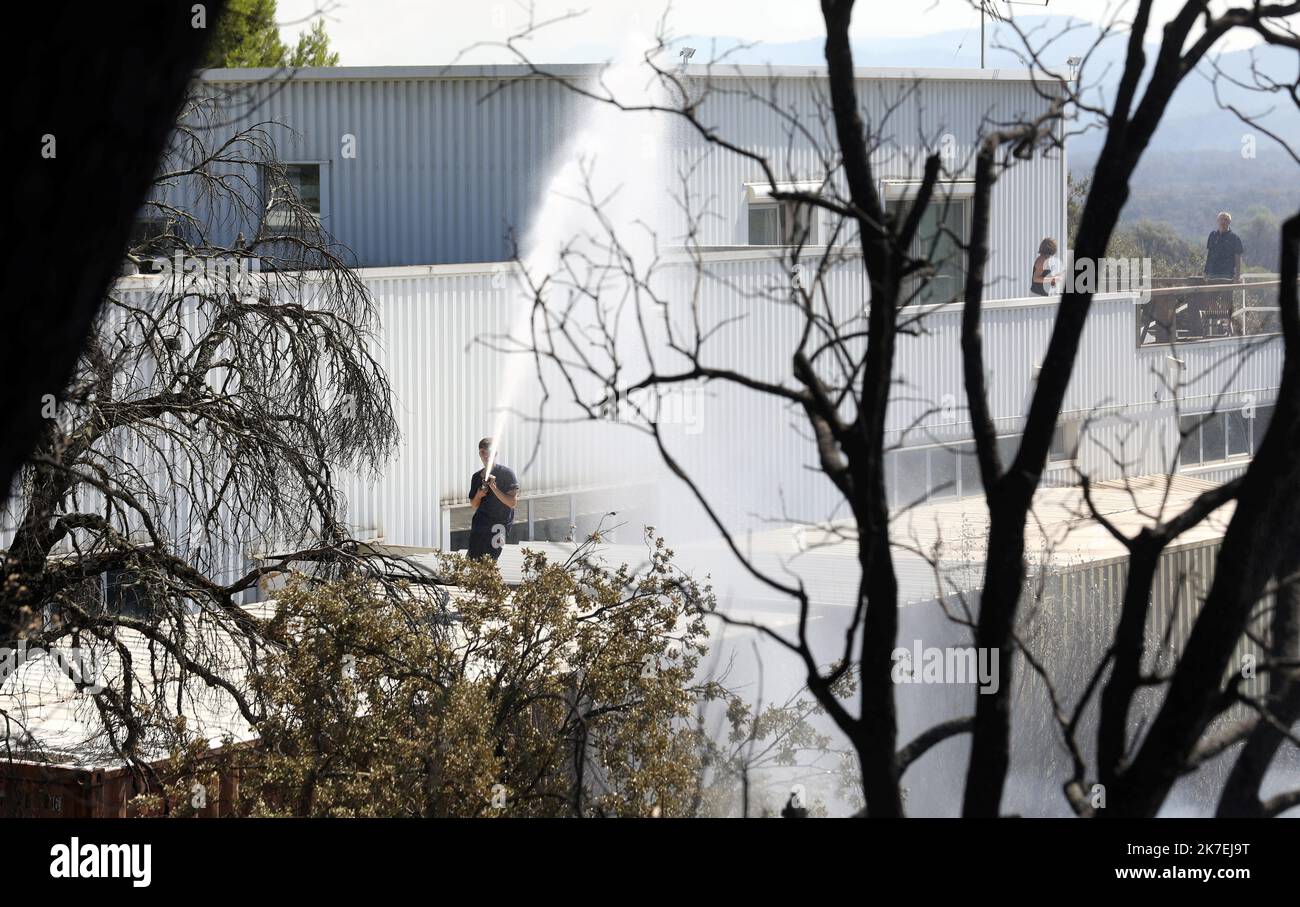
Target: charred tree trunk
(1241, 792)
(1252, 549)
(99, 88)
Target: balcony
(1191, 309)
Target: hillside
(1194, 120)
(1186, 189)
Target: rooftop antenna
(686, 53)
(990, 8)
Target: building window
(115, 592)
(126, 596)
(1237, 429)
(550, 518)
(968, 470)
(1065, 442)
(911, 476)
(915, 475)
(298, 181)
(781, 224)
(152, 235)
(778, 222)
(766, 224)
(1259, 425)
(1221, 436)
(941, 239)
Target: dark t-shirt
(491, 512)
(1221, 254)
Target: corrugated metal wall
(1123, 388)
(445, 165)
(432, 173)
(438, 334)
(910, 120)
(753, 452)
(1091, 595)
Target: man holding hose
(493, 495)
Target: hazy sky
(394, 32)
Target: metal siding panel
(440, 171)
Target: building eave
(578, 70)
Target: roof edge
(574, 70)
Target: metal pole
(982, 11)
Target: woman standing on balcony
(1046, 275)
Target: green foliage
(314, 48)
(1261, 235)
(1187, 191)
(1183, 192)
(573, 693)
(247, 35)
(1170, 254)
(389, 710)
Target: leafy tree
(1186, 189)
(314, 48)
(1076, 195)
(1260, 234)
(574, 694)
(247, 35)
(1170, 254)
(1169, 199)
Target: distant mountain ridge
(1193, 168)
(1192, 122)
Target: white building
(425, 173)
(433, 165)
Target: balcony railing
(1184, 310)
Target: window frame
(964, 473)
(758, 196)
(124, 595)
(1067, 431)
(896, 192)
(269, 218)
(1254, 436)
(764, 207)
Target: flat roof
(949, 534)
(577, 70)
(1061, 531)
(936, 545)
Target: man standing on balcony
(1223, 251)
(493, 495)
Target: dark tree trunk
(1125, 676)
(1252, 549)
(1241, 796)
(104, 82)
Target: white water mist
(609, 178)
